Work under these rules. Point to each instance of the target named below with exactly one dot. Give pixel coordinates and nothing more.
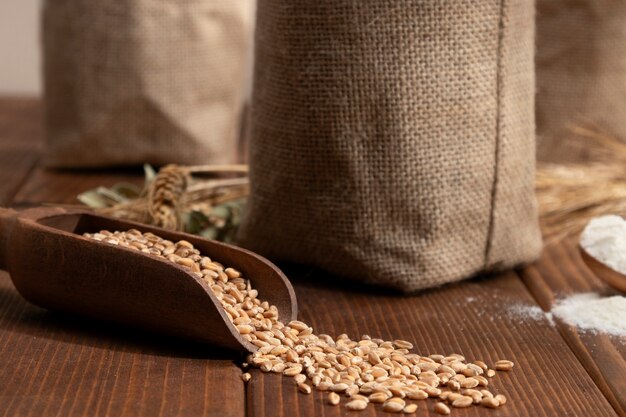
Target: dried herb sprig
(205, 200)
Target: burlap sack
(393, 142)
(581, 75)
(137, 81)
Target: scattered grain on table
(367, 370)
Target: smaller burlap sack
(581, 75)
(393, 141)
(135, 81)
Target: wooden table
(55, 365)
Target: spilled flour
(589, 312)
(593, 313)
(524, 312)
(520, 312)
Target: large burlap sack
(393, 142)
(581, 75)
(137, 81)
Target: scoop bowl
(52, 265)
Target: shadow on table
(67, 328)
(310, 277)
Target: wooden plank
(55, 365)
(487, 319)
(59, 365)
(562, 272)
(21, 121)
(20, 141)
(62, 186)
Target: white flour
(520, 312)
(524, 312)
(604, 238)
(590, 312)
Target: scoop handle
(7, 221)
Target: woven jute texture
(137, 81)
(393, 142)
(581, 75)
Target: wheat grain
(489, 402)
(334, 398)
(366, 370)
(441, 408)
(356, 405)
(504, 365)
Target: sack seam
(494, 187)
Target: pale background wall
(20, 71)
(19, 47)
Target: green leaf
(93, 199)
(195, 222)
(127, 190)
(222, 211)
(149, 172)
(210, 233)
(111, 195)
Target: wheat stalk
(569, 195)
(177, 190)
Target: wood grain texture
(56, 365)
(59, 365)
(562, 272)
(490, 319)
(62, 186)
(20, 141)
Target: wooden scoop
(54, 266)
(607, 274)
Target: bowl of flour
(603, 248)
